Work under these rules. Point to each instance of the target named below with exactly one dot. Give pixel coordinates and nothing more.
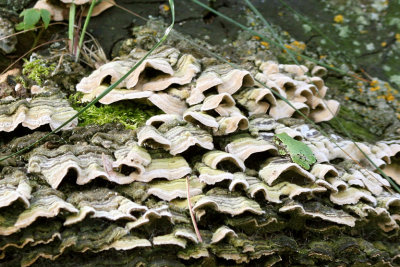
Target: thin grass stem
(196, 229)
(82, 37)
(71, 23)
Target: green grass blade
(269, 27)
(71, 24)
(31, 17)
(46, 17)
(82, 37)
(106, 91)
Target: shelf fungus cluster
(34, 112)
(104, 195)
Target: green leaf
(31, 17)
(23, 13)
(20, 26)
(45, 14)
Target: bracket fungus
(35, 112)
(215, 145)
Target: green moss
(348, 119)
(130, 114)
(38, 70)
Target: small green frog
(299, 152)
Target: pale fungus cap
(43, 204)
(58, 13)
(15, 188)
(210, 175)
(102, 203)
(244, 147)
(393, 170)
(225, 203)
(76, 2)
(184, 137)
(317, 210)
(256, 100)
(87, 166)
(169, 190)
(33, 113)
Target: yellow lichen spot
(346, 98)
(338, 19)
(322, 56)
(288, 46)
(284, 51)
(360, 89)
(265, 44)
(373, 82)
(375, 88)
(165, 7)
(398, 115)
(390, 97)
(286, 33)
(331, 65)
(397, 36)
(253, 24)
(380, 97)
(296, 46)
(299, 45)
(255, 37)
(280, 14)
(360, 83)
(383, 44)
(363, 31)
(298, 57)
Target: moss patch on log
(124, 112)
